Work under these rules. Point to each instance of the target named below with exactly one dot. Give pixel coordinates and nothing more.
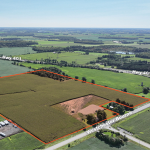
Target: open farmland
(16, 50)
(62, 43)
(6, 68)
(66, 56)
(139, 125)
(105, 78)
(27, 99)
(20, 141)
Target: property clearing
(91, 109)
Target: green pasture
(30, 97)
(146, 95)
(139, 125)
(96, 144)
(6, 68)
(20, 141)
(8, 51)
(62, 43)
(105, 78)
(66, 56)
(41, 42)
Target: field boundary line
(81, 81)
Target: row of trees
(52, 75)
(115, 37)
(123, 102)
(143, 55)
(96, 49)
(87, 41)
(16, 43)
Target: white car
(2, 123)
(6, 122)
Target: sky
(75, 13)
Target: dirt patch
(91, 109)
(73, 106)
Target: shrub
(118, 100)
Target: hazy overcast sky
(75, 13)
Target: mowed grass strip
(139, 125)
(32, 109)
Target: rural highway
(105, 126)
(129, 137)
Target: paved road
(130, 137)
(105, 126)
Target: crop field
(30, 97)
(139, 125)
(20, 141)
(96, 144)
(61, 43)
(16, 50)
(67, 56)
(6, 68)
(105, 78)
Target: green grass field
(146, 95)
(61, 43)
(107, 78)
(20, 141)
(16, 50)
(138, 124)
(6, 68)
(96, 144)
(30, 97)
(2, 119)
(66, 56)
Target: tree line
(86, 41)
(96, 49)
(114, 37)
(50, 75)
(16, 43)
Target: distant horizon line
(83, 27)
